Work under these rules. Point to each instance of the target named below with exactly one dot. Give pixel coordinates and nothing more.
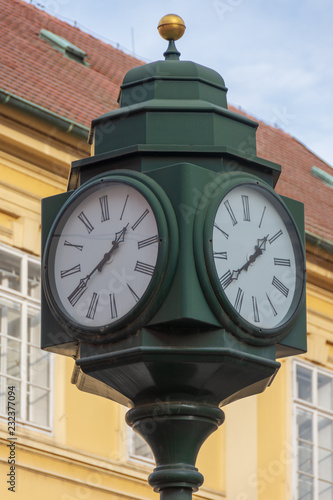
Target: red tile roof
(32, 69)
(296, 180)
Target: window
(313, 403)
(22, 363)
(64, 46)
(138, 449)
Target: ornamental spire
(171, 27)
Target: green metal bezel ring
(219, 303)
(156, 291)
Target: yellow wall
(259, 430)
(85, 456)
(248, 458)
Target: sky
(276, 56)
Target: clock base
(175, 431)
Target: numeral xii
(104, 208)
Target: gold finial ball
(171, 27)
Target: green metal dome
(173, 79)
(176, 107)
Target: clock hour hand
(115, 244)
(258, 250)
(82, 286)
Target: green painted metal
(148, 158)
(177, 104)
(323, 176)
(54, 338)
(175, 475)
(64, 46)
(320, 243)
(62, 123)
(184, 365)
(173, 130)
(212, 192)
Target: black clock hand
(261, 245)
(258, 251)
(79, 291)
(115, 244)
(82, 286)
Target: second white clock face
(103, 254)
(253, 251)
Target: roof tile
(32, 69)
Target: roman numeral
(113, 306)
(231, 213)
(140, 219)
(135, 296)
(143, 268)
(148, 241)
(226, 235)
(93, 306)
(246, 208)
(104, 208)
(78, 247)
(280, 286)
(275, 237)
(239, 300)
(86, 222)
(72, 270)
(270, 303)
(282, 262)
(255, 310)
(122, 213)
(226, 279)
(262, 216)
(220, 255)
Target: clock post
(173, 273)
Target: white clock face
(102, 254)
(254, 243)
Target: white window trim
(21, 298)
(317, 412)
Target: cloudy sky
(276, 57)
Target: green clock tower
(173, 273)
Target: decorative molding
(5, 232)
(319, 264)
(318, 350)
(24, 167)
(319, 323)
(91, 464)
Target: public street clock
(254, 259)
(107, 255)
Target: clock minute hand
(82, 286)
(78, 291)
(260, 246)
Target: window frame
(316, 412)
(27, 303)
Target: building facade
(68, 444)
